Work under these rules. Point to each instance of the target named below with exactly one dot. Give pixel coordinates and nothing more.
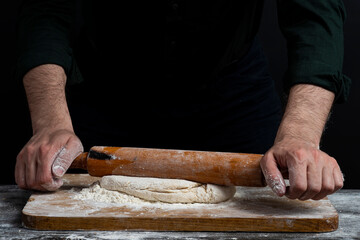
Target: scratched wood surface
(251, 209)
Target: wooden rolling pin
(220, 168)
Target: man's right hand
(45, 158)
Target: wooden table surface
(13, 199)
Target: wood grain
(252, 209)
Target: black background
(341, 138)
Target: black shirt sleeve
(315, 42)
(43, 36)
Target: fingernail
(58, 171)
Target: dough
(168, 190)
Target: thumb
(65, 157)
(272, 174)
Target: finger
(297, 178)
(338, 179)
(272, 174)
(314, 181)
(30, 172)
(37, 184)
(328, 184)
(44, 178)
(20, 171)
(65, 157)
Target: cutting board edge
(181, 224)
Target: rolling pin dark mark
(99, 155)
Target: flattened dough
(168, 190)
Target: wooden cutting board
(251, 209)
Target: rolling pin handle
(80, 162)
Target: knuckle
(339, 186)
(315, 153)
(300, 156)
(299, 153)
(304, 155)
(328, 188)
(30, 149)
(44, 149)
(315, 189)
(20, 155)
(299, 188)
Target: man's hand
(312, 173)
(296, 155)
(54, 145)
(45, 159)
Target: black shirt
(181, 44)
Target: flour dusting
(99, 194)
